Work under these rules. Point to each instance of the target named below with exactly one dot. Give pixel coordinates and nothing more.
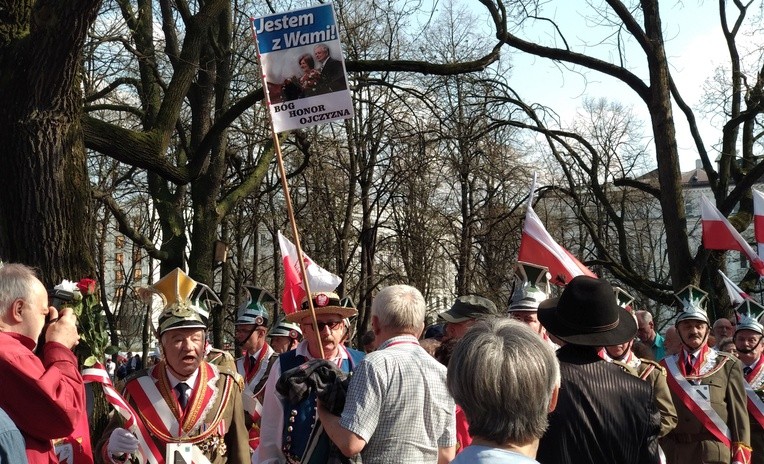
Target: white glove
(121, 442)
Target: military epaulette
(654, 364)
(726, 356)
(626, 368)
(226, 370)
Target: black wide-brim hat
(588, 314)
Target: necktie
(747, 370)
(182, 388)
(252, 362)
(688, 365)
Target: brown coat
(234, 447)
(690, 441)
(655, 375)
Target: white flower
(67, 285)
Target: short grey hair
(643, 316)
(16, 281)
(504, 375)
(400, 307)
(325, 48)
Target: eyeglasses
(333, 325)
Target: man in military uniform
(708, 393)
(285, 336)
(182, 405)
(748, 342)
(251, 328)
(287, 431)
(645, 369)
(531, 288)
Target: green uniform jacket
(234, 446)
(690, 441)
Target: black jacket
(603, 415)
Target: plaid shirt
(399, 404)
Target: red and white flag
(319, 279)
(718, 234)
(737, 295)
(758, 220)
(538, 247)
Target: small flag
(320, 280)
(736, 294)
(538, 247)
(758, 220)
(718, 234)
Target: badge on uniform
(179, 453)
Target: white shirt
(190, 381)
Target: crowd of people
(580, 378)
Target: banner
(303, 70)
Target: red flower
(87, 286)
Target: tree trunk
(45, 208)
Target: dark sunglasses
(333, 325)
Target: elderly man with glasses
(286, 430)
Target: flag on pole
(538, 247)
(736, 294)
(758, 221)
(320, 279)
(718, 234)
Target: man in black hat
(599, 404)
(466, 310)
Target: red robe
(45, 399)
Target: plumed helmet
(531, 287)
(286, 329)
(750, 312)
(180, 310)
(692, 304)
(253, 311)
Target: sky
(695, 47)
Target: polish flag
(737, 295)
(319, 279)
(718, 234)
(538, 247)
(758, 220)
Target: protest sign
(303, 69)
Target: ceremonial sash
(159, 410)
(701, 410)
(755, 379)
(755, 405)
(147, 449)
(648, 370)
(253, 373)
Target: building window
(119, 258)
(119, 241)
(119, 276)
(119, 292)
(137, 256)
(138, 274)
